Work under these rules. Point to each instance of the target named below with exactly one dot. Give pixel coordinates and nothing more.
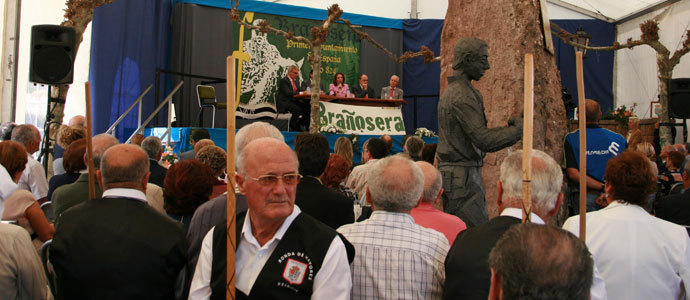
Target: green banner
(265, 57)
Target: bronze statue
(464, 138)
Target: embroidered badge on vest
(295, 271)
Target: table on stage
(356, 101)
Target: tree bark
(511, 28)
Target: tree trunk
(511, 28)
(664, 73)
(315, 61)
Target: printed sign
(356, 119)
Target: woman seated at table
(339, 88)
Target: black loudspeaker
(679, 98)
(52, 54)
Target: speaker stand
(47, 149)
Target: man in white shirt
(373, 149)
(281, 253)
(34, 177)
(396, 258)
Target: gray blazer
(385, 93)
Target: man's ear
(499, 196)
(439, 197)
(239, 179)
(368, 195)
(145, 181)
(100, 179)
(559, 202)
(495, 291)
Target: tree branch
(675, 59)
(264, 27)
(567, 37)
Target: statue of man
(464, 138)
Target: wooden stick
(231, 238)
(89, 143)
(583, 142)
(527, 132)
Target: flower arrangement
(621, 115)
(169, 157)
(353, 138)
(423, 132)
(331, 129)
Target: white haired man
(34, 177)
(396, 258)
(467, 268)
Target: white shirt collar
(249, 236)
(125, 193)
(517, 213)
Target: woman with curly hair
(339, 88)
(188, 184)
(66, 135)
(21, 205)
(214, 157)
(638, 255)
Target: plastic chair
(47, 266)
(206, 95)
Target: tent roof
(612, 10)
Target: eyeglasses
(270, 179)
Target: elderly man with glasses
(281, 252)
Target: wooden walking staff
(527, 132)
(230, 169)
(583, 142)
(89, 143)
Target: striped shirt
(396, 258)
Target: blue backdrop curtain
(420, 78)
(130, 38)
(597, 66)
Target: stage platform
(219, 136)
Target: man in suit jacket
(285, 101)
(70, 195)
(306, 84)
(118, 247)
(197, 135)
(154, 149)
(324, 204)
(363, 89)
(676, 208)
(396, 94)
(467, 268)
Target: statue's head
(471, 56)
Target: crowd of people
(312, 224)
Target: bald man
(426, 215)
(602, 145)
(118, 247)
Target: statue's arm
(471, 118)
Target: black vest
(290, 270)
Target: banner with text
(266, 57)
(362, 119)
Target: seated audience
(214, 157)
(34, 177)
(335, 174)
(540, 262)
(118, 247)
(429, 153)
(21, 205)
(21, 271)
(154, 149)
(396, 258)
(202, 143)
(343, 147)
(281, 252)
(326, 205)
(188, 184)
(389, 142)
(215, 210)
(648, 150)
(672, 180)
(6, 130)
(137, 139)
(70, 195)
(639, 256)
(73, 163)
(197, 135)
(339, 88)
(676, 208)
(65, 136)
(426, 214)
(373, 150)
(413, 148)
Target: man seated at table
(285, 102)
(392, 91)
(363, 89)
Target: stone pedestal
(511, 28)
